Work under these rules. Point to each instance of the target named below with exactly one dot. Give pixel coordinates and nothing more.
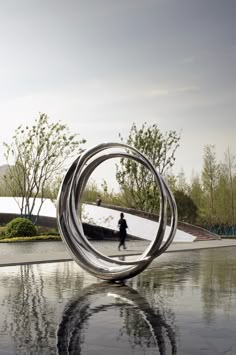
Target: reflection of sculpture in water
(145, 329)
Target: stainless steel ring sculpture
(69, 211)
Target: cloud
(189, 60)
(168, 91)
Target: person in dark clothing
(98, 200)
(122, 227)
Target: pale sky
(100, 65)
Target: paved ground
(110, 248)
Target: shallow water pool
(184, 303)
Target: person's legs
(122, 241)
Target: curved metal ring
(70, 224)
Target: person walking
(98, 200)
(122, 224)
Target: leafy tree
(91, 192)
(195, 190)
(215, 192)
(209, 178)
(35, 156)
(187, 210)
(3, 187)
(222, 197)
(230, 169)
(52, 187)
(171, 180)
(136, 182)
(196, 193)
(181, 181)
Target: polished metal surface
(69, 212)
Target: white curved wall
(9, 205)
(138, 226)
(105, 217)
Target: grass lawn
(29, 239)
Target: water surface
(184, 303)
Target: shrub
(21, 227)
(47, 231)
(2, 231)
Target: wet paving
(184, 303)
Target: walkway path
(110, 248)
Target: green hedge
(21, 227)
